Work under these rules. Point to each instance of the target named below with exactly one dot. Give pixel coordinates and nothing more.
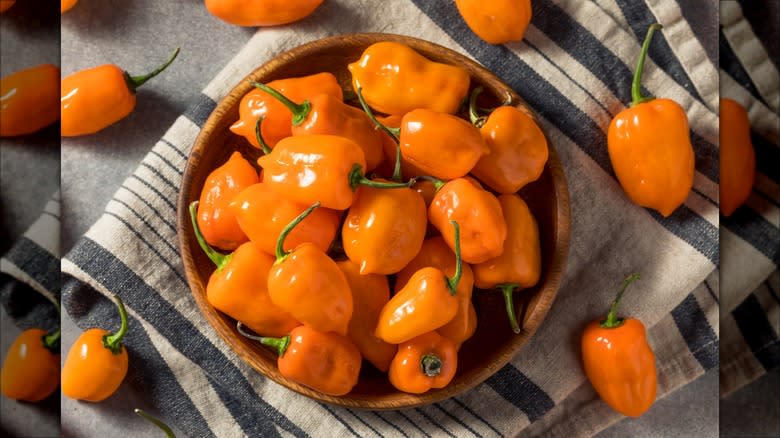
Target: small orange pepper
(325, 361)
(370, 293)
(216, 220)
(28, 100)
(309, 284)
(239, 286)
(619, 362)
(96, 363)
(96, 98)
(396, 80)
(277, 120)
(391, 153)
(650, 147)
(253, 13)
(427, 361)
(31, 368)
(324, 168)
(427, 301)
(520, 263)
(65, 5)
(496, 21)
(737, 157)
(5, 5)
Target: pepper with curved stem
(259, 136)
(394, 133)
(424, 362)
(476, 119)
(156, 421)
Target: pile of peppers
(360, 233)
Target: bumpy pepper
(427, 361)
(325, 361)
(277, 119)
(520, 263)
(650, 147)
(261, 12)
(31, 369)
(396, 80)
(619, 362)
(737, 157)
(239, 287)
(93, 99)
(66, 5)
(28, 100)
(496, 21)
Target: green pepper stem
(114, 342)
(280, 344)
(437, 183)
(281, 254)
(475, 118)
(395, 133)
(133, 82)
(612, 320)
(356, 178)
(52, 341)
(259, 136)
(299, 110)
(430, 365)
(453, 282)
(156, 421)
(219, 259)
(636, 85)
(507, 289)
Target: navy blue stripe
(703, 22)
(474, 414)
(166, 161)
(457, 420)
(413, 423)
(364, 422)
(767, 156)
(518, 389)
(151, 207)
(763, 19)
(696, 331)
(434, 422)
(757, 332)
(26, 306)
(105, 268)
(36, 262)
(771, 290)
(325, 406)
(712, 292)
(731, 65)
(149, 226)
(390, 424)
(200, 111)
(755, 230)
(694, 229)
(175, 149)
(155, 190)
(242, 416)
(161, 176)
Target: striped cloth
(574, 68)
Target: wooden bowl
(494, 344)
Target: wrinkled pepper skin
(278, 119)
(737, 157)
(66, 5)
(395, 79)
(216, 220)
(370, 293)
(252, 13)
(496, 21)
(31, 371)
(28, 100)
(427, 361)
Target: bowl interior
(494, 343)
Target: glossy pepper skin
(96, 98)
(31, 368)
(619, 362)
(216, 220)
(650, 147)
(427, 361)
(389, 149)
(96, 363)
(395, 79)
(28, 100)
(496, 21)
(261, 12)
(239, 287)
(737, 157)
(66, 5)
(370, 293)
(277, 119)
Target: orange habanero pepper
(95, 98)
(496, 21)
(391, 165)
(650, 147)
(216, 220)
(427, 301)
(520, 263)
(396, 80)
(619, 362)
(239, 286)
(737, 157)
(28, 100)
(370, 293)
(65, 5)
(96, 363)
(261, 12)
(427, 361)
(6, 4)
(309, 284)
(277, 120)
(31, 369)
(324, 168)
(325, 361)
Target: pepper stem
(507, 289)
(612, 320)
(299, 110)
(475, 118)
(156, 421)
(437, 183)
(52, 342)
(280, 344)
(281, 254)
(133, 82)
(430, 365)
(219, 259)
(453, 282)
(259, 136)
(636, 85)
(395, 133)
(356, 178)
(114, 342)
